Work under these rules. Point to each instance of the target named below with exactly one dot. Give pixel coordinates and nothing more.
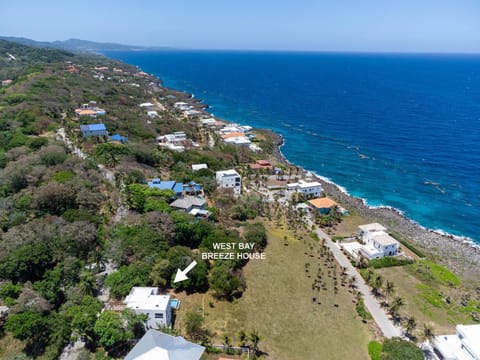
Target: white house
(147, 300)
(155, 345)
(175, 141)
(379, 244)
(463, 345)
(229, 179)
(196, 167)
(152, 113)
(309, 189)
(369, 230)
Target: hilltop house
(261, 164)
(309, 189)
(7, 82)
(196, 167)
(155, 345)
(229, 179)
(176, 141)
(188, 203)
(464, 344)
(93, 130)
(167, 185)
(147, 300)
(322, 205)
(119, 138)
(91, 109)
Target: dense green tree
(398, 349)
(83, 317)
(222, 281)
(257, 234)
(121, 282)
(27, 262)
(26, 325)
(109, 329)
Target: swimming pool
(175, 303)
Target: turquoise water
(396, 130)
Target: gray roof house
(188, 203)
(155, 345)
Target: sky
(303, 25)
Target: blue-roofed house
(119, 138)
(93, 130)
(155, 345)
(193, 188)
(167, 185)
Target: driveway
(384, 323)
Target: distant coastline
(460, 253)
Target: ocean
(399, 130)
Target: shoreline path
(388, 328)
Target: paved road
(384, 323)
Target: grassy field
(432, 295)
(278, 303)
(9, 345)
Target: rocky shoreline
(461, 256)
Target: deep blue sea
(396, 130)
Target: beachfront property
(167, 185)
(196, 167)
(176, 141)
(118, 138)
(148, 300)
(463, 345)
(368, 230)
(379, 246)
(376, 243)
(323, 205)
(309, 189)
(183, 106)
(155, 345)
(97, 130)
(91, 109)
(229, 179)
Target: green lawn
(425, 289)
(278, 303)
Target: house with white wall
(309, 189)
(148, 300)
(464, 344)
(229, 179)
(376, 242)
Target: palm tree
(410, 326)
(351, 281)
(88, 284)
(226, 342)
(389, 289)
(254, 338)
(242, 338)
(396, 304)
(370, 274)
(377, 284)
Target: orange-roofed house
(85, 112)
(233, 135)
(261, 164)
(323, 205)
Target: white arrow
(182, 275)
